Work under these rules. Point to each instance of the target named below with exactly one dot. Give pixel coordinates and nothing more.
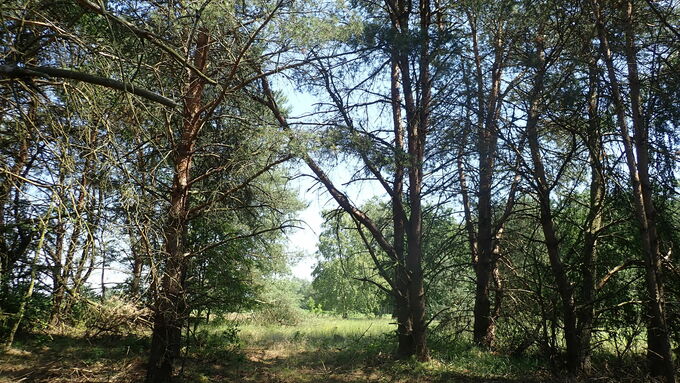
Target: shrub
(280, 304)
(221, 345)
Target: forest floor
(316, 350)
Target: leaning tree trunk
(170, 306)
(564, 286)
(659, 351)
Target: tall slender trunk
(136, 281)
(484, 260)
(62, 302)
(417, 126)
(58, 283)
(19, 316)
(658, 343)
(138, 243)
(593, 223)
(417, 115)
(9, 255)
(564, 286)
(659, 357)
(405, 346)
(170, 306)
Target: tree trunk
(405, 341)
(9, 255)
(136, 281)
(136, 232)
(484, 261)
(564, 286)
(658, 343)
(58, 284)
(659, 357)
(405, 344)
(593, 223)
(417, 123)
(61, 302)
(170, 307)
(19, 316)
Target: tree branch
(16, 72)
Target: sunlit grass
(316, 330)
(317, 349)
(365, 346)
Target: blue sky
(301, 105)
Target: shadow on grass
(334, 358)
(298, 357)
(70, 358)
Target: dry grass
(70, 360)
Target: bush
(221, 345)
(35, 317)
(280, 304)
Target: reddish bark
(170, 306)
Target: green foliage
(279, 302)
(313, 307)
(344, 265)
(36, 315)
(221, 344)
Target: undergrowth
(317, 349)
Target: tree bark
(170, 308)
(564, 286)
(659, 357)
(484, 254)
(405, 344)
(593, 223)
(417, 117)
(16, 72)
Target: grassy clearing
(319, 349)
(316, 330)
(329, 349)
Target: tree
(407, 49)
(636, 152)
(212, 85)
(493, 34)
(345, 277)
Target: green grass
(317, 349)
(331, 349)
(317, 331)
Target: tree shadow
(70, 358)
(365, 361)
